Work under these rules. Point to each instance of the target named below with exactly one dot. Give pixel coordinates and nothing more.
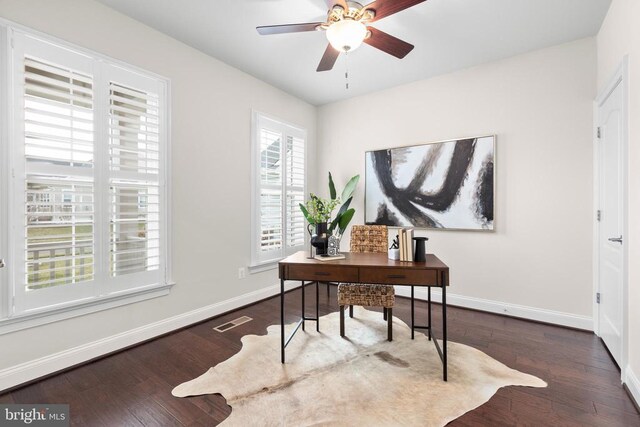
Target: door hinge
(599, 215)
(599, 133)
(598, 297)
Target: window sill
(17, 323)
(267, 266)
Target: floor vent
(232, 324)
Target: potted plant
(318, 212)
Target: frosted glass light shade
(346, 35)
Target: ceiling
(449, 35)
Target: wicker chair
(367, 238)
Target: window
(88, 146)
(278, 153)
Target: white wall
(540, 107)
(619, 36)
(211, 112)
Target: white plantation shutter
(134, 233)
(279, 163)
(270, 220)
(134, 180)
(89, 187)
(295, 223)
(271, 236)
(134, 131)
(55, 199)
(58, 115)
(59, 231)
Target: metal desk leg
(429, 310)
(282, 320)
(303, 305)
(412, 315)
(317, 308)
(444, 331)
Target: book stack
(405, 236)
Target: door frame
(5, 176)
(619, 78)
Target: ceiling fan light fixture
(346, 35)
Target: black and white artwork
(444, 185)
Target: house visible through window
(279, 186)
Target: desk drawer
(399, 276)
(323, 274)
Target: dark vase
(420, 254)
(320, 238)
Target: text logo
(40, 415)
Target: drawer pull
(396, 276)
(322, 273)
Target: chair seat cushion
(366, 295)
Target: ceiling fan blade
(331, 3)
(384, 8)
(328, 59)
(387, 43)
(287, 28)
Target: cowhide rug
(362, 380)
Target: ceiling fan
(347, 26)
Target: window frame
(286, 128)
(5, 153)
(10, 180)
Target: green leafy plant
(319, 210)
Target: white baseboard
(525, 312)
(633, 384)
(28, 371)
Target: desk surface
(366, 268)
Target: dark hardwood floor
(133, 387)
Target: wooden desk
(367, 268)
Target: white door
(610, 234)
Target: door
(610, 236)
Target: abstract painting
(445, 185)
